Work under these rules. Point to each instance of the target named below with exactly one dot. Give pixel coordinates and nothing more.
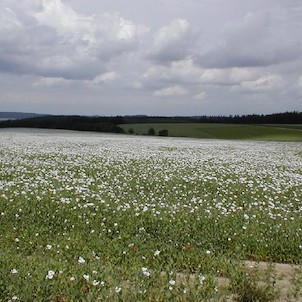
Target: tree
(151, 131)
(163, 132)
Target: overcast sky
(161, 57)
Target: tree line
(293, 117)
(111, 124)
(80, 123)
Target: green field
(223, 131)
(90, 217)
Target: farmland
(263, 132)
(99, 217)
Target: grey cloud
(173, 42)
(187, 73)
(232, 57)
(253, 42)
(58, 42)
(210, 56)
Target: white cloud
(228, 76)
(175, 90)
(200, 96)
(55, 41)
(52, 82)
(93, 29)
(183, 70)
(173, 42)
(9, 19)
(186, 72)
(56, 14)
(262, 84)
(171, 33)
(259, 39)
(105, 78)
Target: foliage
(245, 285)
(294, 117)
(151, 131)
(81, 123)
(163, 132)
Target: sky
(161, 57)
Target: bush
(151, 131)
(163, 132)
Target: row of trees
(163, 132)
(294, 117)
(152, 132)
(81, 123)
(111, 124)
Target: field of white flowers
(95, 217)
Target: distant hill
(18, 115)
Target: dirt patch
(288, 282)
(285, 279)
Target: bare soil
(288, 288)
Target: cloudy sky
(161, 57)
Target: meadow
(264, 132)
(104, 217)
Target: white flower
(201, 278)
(14, 298)
(48, 246)
(156, 253)
(50, 274)
(14, 271)
(118, 289)
(172, 282)
(72, 278)
(86, 277)
(208, 252)
(146, 271)
(17, 240)
(95, 282)
(81, 260)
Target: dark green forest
(80, 123)
(111, 124)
